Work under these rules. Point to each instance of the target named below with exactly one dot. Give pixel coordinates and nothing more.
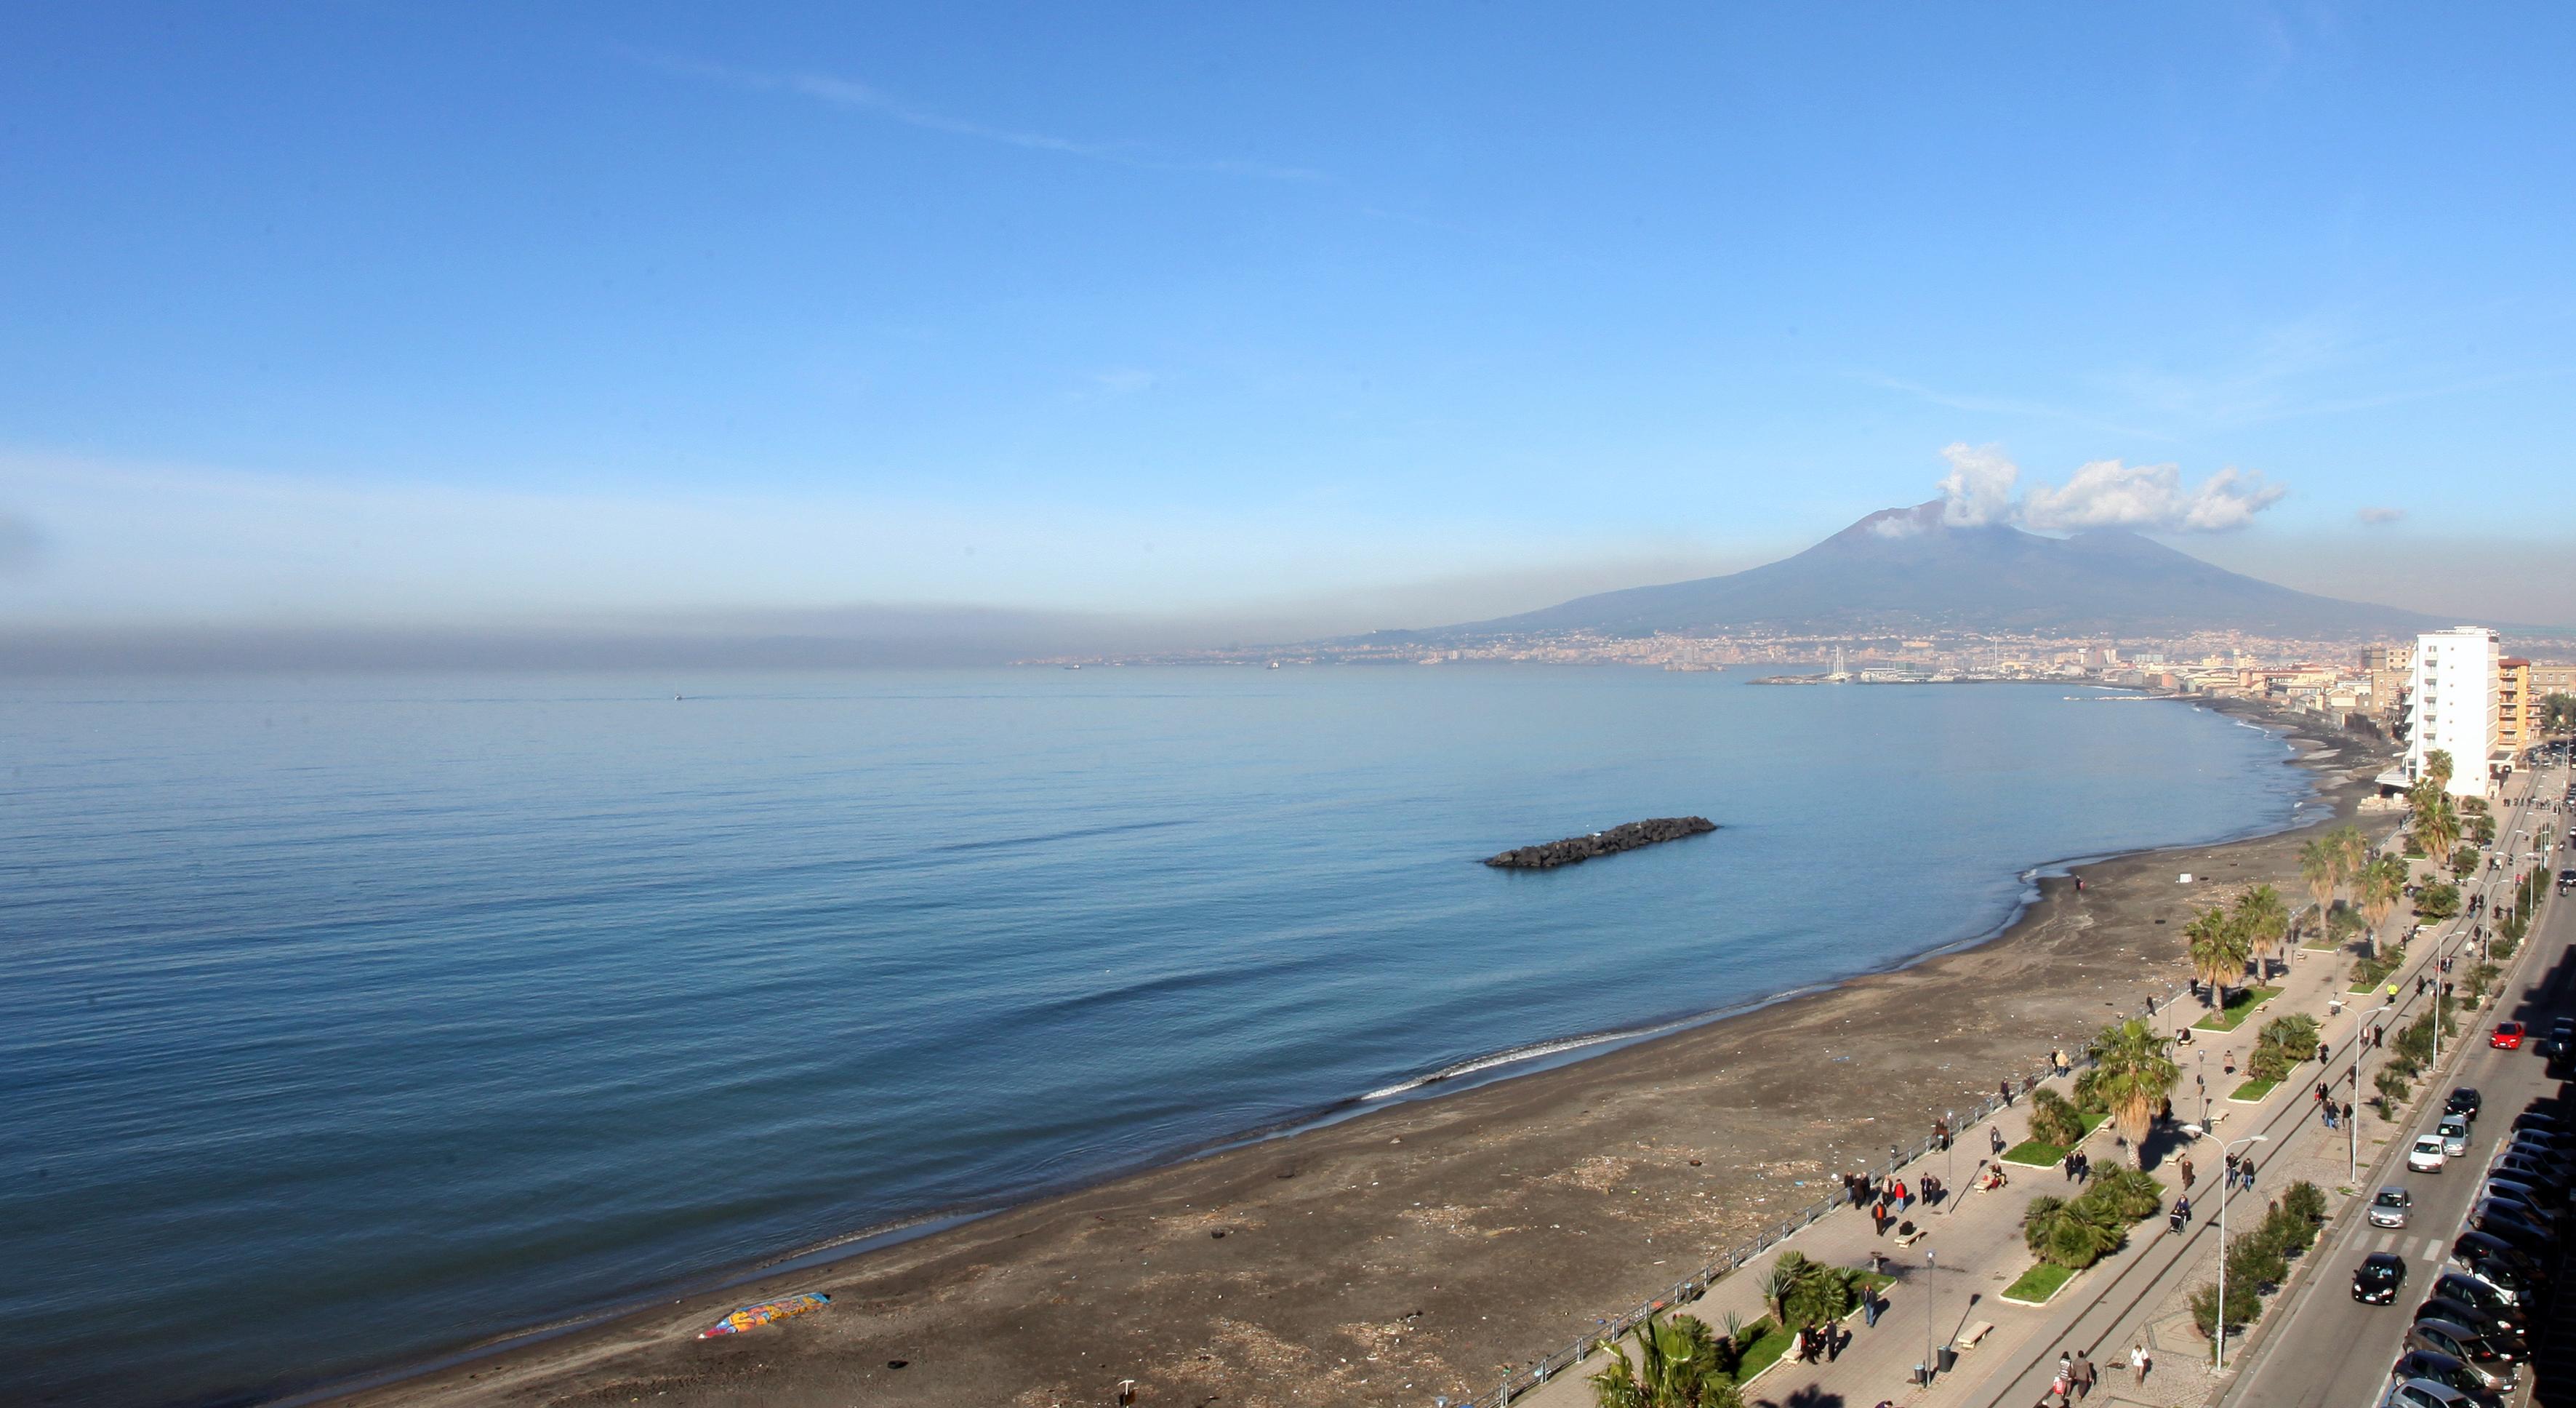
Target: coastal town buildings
(2451, 706)
(2517, 707)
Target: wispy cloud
(853, 96)
(2004, 405)
(2376, 515)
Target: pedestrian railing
(1521, 1380)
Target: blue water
(351, 1021)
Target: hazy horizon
(1170, 328)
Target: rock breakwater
(1601, 843)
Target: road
(2330, 1351)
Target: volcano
(1906, 570)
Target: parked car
(2377, 1279)
(2486, 1327)
(2529, 1169)
(2427, 1155)
(2507, 1036)
(2538, 1119)
(2469, 1290)
(2502, 1224)
(2443, 1369)
(2455, 1136)
(2425, 1393)
(2523, 1209)
(2538, 1195)
(2473, 1246)
(2390, 1207)
(2461, 1343)
(2464, 1101)
(2507, 1280)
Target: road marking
(2432, 1249)
(2386, 1240)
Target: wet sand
(1419, 1248)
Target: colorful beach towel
(752, 1317)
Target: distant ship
(1274, 664)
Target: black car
(2536, 1119)
(2531, 1241)
(2463, 1101)
(2443, 1369)
(2376, 1280)
(2473, 1247)
(2490, 1328)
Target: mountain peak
(1911, 570)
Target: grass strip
(2238, 1007)
(2253, 1090)
(2035, 1286)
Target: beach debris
(752, 1317)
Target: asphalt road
(2334, 1352)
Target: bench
(1969, 1338)
(1907, 1239)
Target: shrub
(2256, 1260)
(2439, 901)
(2465, 861)
(2392, 1089)
(2242, 1306)
(2053, 1120)
(2285, 1042)
(2305, 1201)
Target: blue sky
(1328, 316)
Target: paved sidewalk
(1975, 1245)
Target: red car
(2507, 1036)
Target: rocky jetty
(1601, 843)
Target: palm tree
(2437, 768)
(2218, 948)
(2378, 887)
(1781, 1283)
(2321, 865)
(2075, 1234)
(2438, 827)
(2136, 1075)
(1677, 1366)
(2266, 921)
(2355, 846)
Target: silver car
(2390, 1207)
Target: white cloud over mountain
(1981, 485)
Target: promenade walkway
(1948, 1285)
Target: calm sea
(351, 1021)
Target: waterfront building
(2451, 706)
(2517, 707)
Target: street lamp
(2352, 1127)
(2220, 1319)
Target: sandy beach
(1419, 1248)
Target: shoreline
(604, 1353)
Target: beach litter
(752, 1317)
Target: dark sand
(1417, 1249)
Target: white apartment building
(2451, 705)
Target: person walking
(2245, 1173)
(2085, 1375)
(2070, 1165)
(2185, 1166)
(1878, 1217)
(1995, 1137)
(2005, 1090)
(2141, 1361)
(1904, 1199)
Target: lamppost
(1929, 1314)
(1949, 1156)
(2221, 1318)
(2201, 1078)
(2352, 1127)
